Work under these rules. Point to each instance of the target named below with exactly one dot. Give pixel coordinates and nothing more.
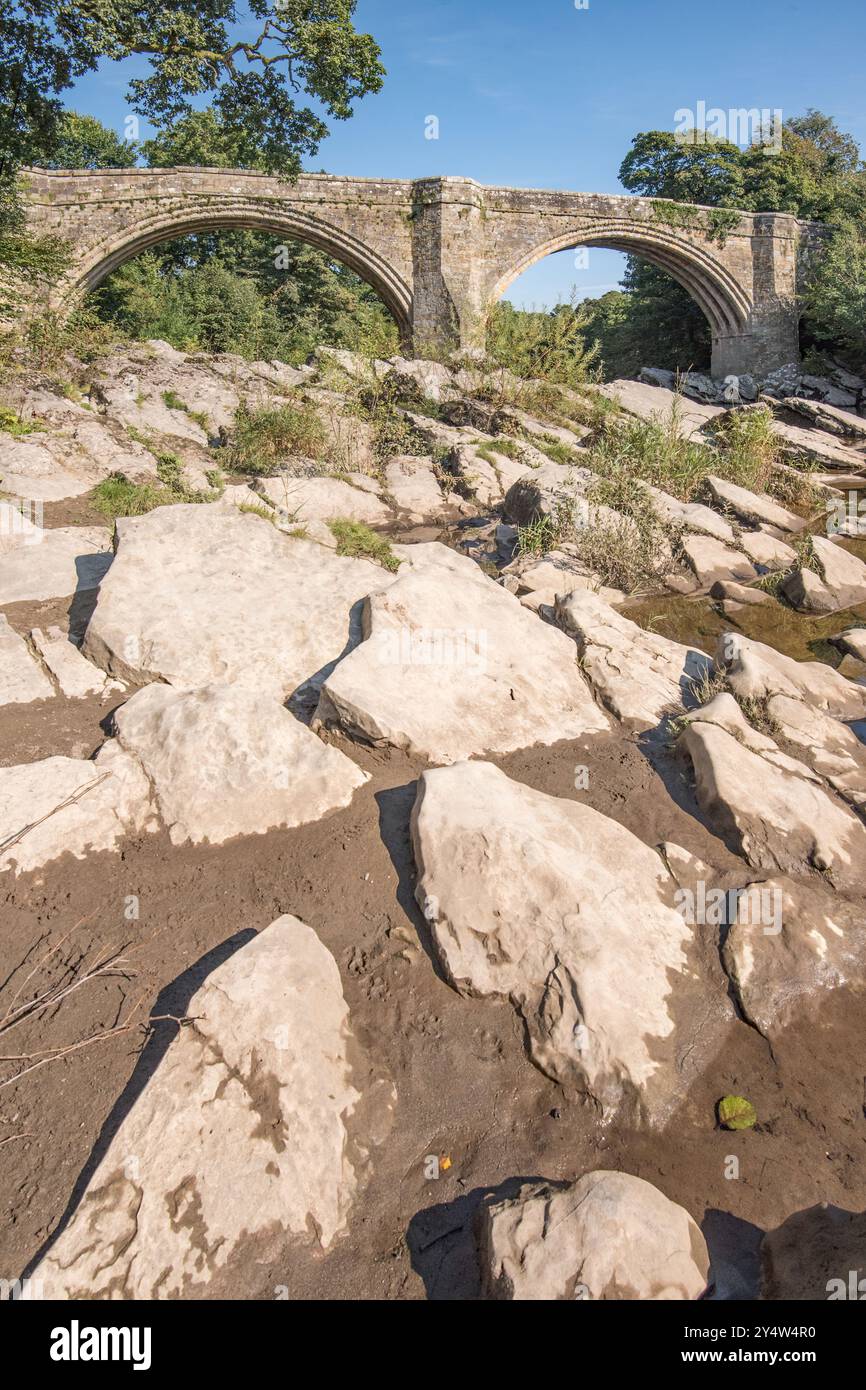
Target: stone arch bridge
(439, 250)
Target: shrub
(265, 436)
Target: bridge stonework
(440, 250)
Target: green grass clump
(358, 541)
(264, 437)
(554, 448)
(250, 509)
(10, 423)
(116, 496)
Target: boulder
(226, 761)
(639, 676)
(434, 381)
(552, 905)
(198, 595)
(783, 961)
(838, 582)
(546, 492)
(767, 551)
(608, 1236)
(728, 591)
(757, 672)
(452, 666)
(852, 642)
(70, 806)
(21, 677)
(770, 807)
(240, 1135)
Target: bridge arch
(102, 258)
(717, 292)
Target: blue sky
(545, 95)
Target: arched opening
(259, 286)
(646, 299)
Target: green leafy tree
(83, 142)
(257, 82)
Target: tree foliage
(303, 50)
(816, 175)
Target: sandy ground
(466, 1090)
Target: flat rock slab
(754, 508)
(411, 483)
(637, 675)
(57, 564)
(777, 818)
(226, 761)
(607, 1236)
(197, 596)
(75, 676)
(70, 806)
(790, 944)
(827, 745)
(694, 516)
(712, 561)
(554, 906)
(21, 677)
(452, 666)
(323, 499)
(239, 1135)
(657, 403)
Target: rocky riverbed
(408, 839)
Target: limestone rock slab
(452, 666)
(554, 906)
(70, 806)
(240, 1134)
(62, 562)
(820, 946)
(21, 678)
(639, 676)
(778, 820)
(197, 596)
(757, 672)
(226, 761)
